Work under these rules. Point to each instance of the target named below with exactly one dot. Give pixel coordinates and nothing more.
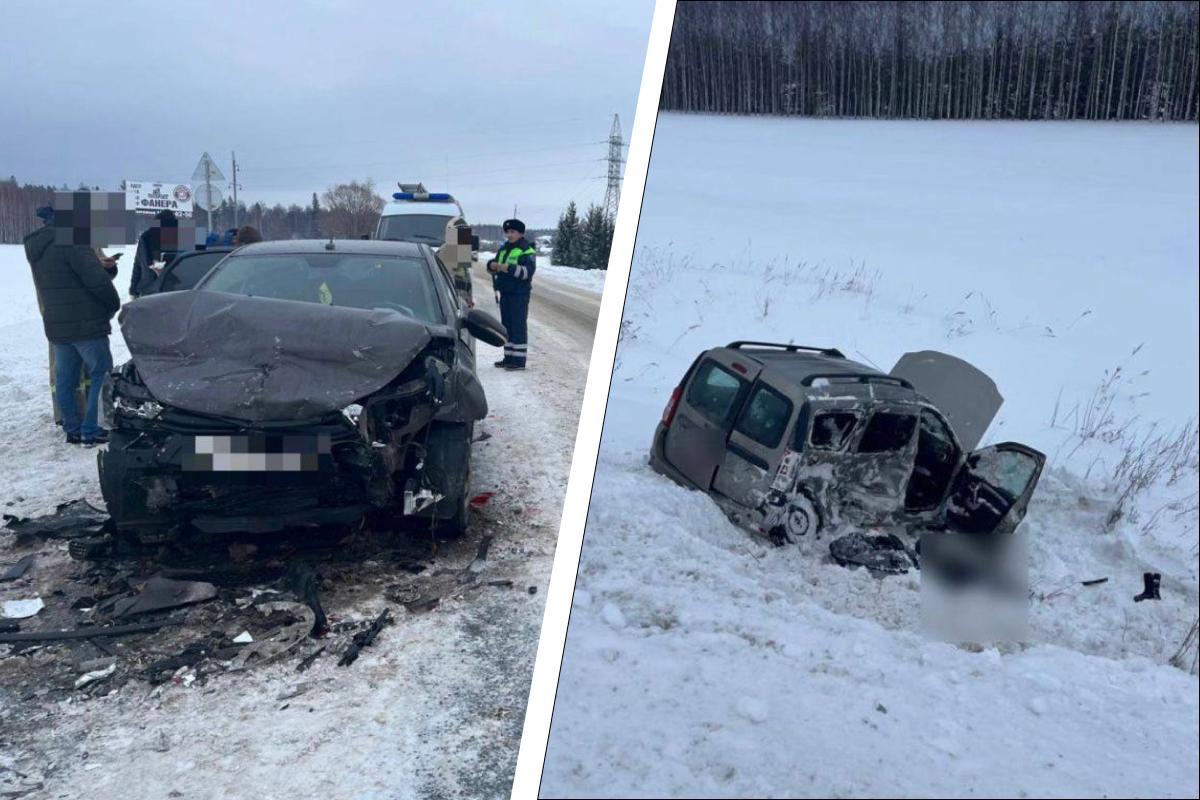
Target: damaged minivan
(301, 383)
(792, 440)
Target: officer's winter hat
(514, 225)
(45, 213)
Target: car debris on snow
(364, 638)
(161, 594)
(21, 609)
(14, 571)
(89, 632)
(98, 675)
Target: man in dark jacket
(149, 250)
(512, 272)
(77, 300)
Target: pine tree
(595, 239)
(567, 238)
(314, 218)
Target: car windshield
(423, 228)
(351, 280)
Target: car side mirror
(475, 243)
(365, 236)
(486, 328)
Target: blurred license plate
(256, 453)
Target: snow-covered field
(433, 709)
(1059, 258)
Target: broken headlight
(353, 412)
(144, 409)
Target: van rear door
(712, 396)
(756, 445)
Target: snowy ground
(433, 709)
(703, 662)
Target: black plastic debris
(14, 571)
(70, 520)
(160, 594)
(89, 632)
(1151, 582)
(883, 553)
(364, 639)
(310, 659)
(303, 583)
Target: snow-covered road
(433, 709)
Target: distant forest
(936, 60)
(329, 215)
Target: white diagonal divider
(544, 686)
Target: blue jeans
(68, 359)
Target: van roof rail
(856, 377)
(791, 348)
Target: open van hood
(263, 360)
(961, 391)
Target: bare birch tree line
(1041, 59)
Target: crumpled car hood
(258, 359)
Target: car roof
(375, 247)
(800, 367)
(400, 208)
(190, 253)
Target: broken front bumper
(179, 468)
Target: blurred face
(511, 235)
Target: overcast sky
(502, 104)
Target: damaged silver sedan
(792, 440)
(301, 383)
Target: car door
(963, 392)
(694, 444)
(755, 445)
(869, 480)
(992, 488)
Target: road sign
(207, 170)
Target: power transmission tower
(616, 163)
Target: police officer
(512, 273)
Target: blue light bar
(437, 197)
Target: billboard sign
(150, 197)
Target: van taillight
(672, 404)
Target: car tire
(457, 525)
(801, 518)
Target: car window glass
(404, 285)
(887, 432)
(1007, 470)
(188, 272)
(427, 229)
(765, 416)
(830, 429)
(713, 391)
(935, 444)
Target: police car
(435, 219)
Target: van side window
(830, 429)
(713, 391)
(887, 432)
(766, 416)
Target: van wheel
(801, 518)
